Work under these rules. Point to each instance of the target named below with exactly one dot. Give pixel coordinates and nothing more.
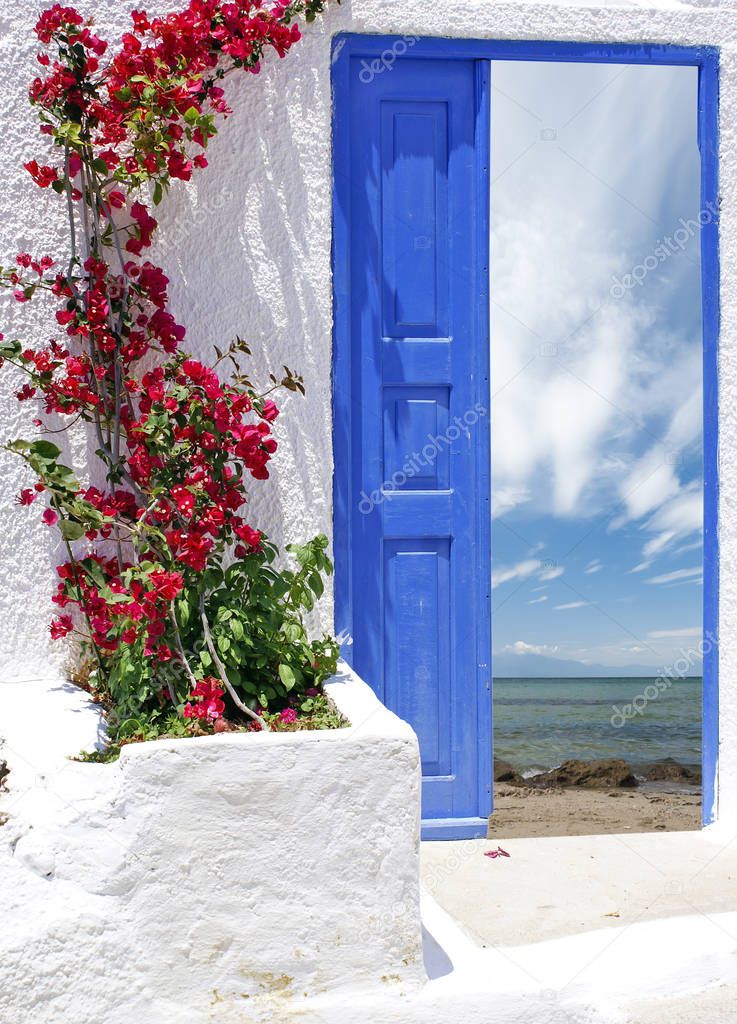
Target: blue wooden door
(411, 412)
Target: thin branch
(72, 226)
(73, 562)
(180, 651)
(223, 674)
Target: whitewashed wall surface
(276, 864)
(261, 214)
(226, 875)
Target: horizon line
(654, 676)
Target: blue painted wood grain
(411, 368)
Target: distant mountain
(539, 666)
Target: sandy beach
(522, 811)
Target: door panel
(418, 237)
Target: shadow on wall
(436, 960)
(247, 248)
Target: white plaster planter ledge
(216, 878)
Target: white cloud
(651, 481)
(657, 545)
(676, 519)
(552, 572)
(524, 570)
(580, 378)
(651, 653)
(538, 600)
(521, 647)
(695, 545)
(504, 499)
(653, 486)
(687, 421)
(593, 566)
(571, 604)
(520, 571)
(678, 576)
(675, 634)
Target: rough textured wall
(247, 247)
(218, 878)
(267, 269)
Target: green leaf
(287, 676)
(158, 193)
(191, 115)
(71, 530)
(316, 585)
(45, 449)
(183, 612)
(293, 632)
(10, 349)
(69, 130)
(212, 578)
(280, 587)
(18, 446)
(94, 571)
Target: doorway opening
(583, 351)
(597, 446)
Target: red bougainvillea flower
(145, 225)
(54, 19)
(179, 441)
(249, 536)
(61, 627)
(288, 716)
(269, 411)
(167, 585)
(208, 704)
(43, 176)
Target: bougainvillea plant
(174, 596)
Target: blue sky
(596, 379)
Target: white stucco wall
(267, 271)
(214, 879)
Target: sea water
(538, 723)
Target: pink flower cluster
(207, 697)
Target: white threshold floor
(640, 929)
